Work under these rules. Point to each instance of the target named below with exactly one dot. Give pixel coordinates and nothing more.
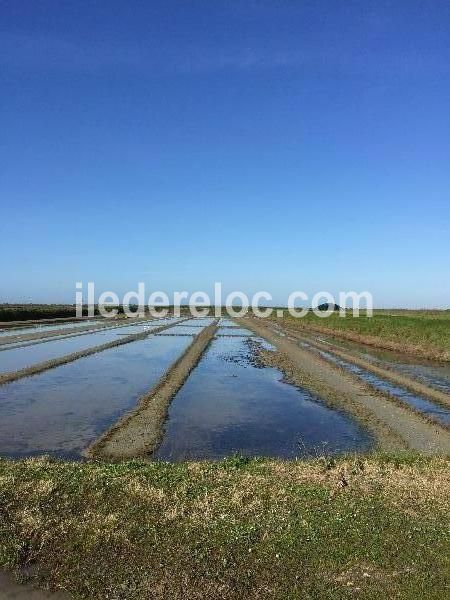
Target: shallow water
(224, 322)
(42, 328)
(119, 327)
(199, 321)
(62, 410)
(183, 330)
(434, 411)
(229, 404)
(140, 327)
(432, 373)
(19, 357)
(98, 325)
(240, 331)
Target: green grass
(370, 527)
(426, 333)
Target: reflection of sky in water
(24, 356)
(182, 330)
(62, 410)
(43, 328)
(234, 331)
(431, 373)
(229, 404)
(227, 323)
(202, 322)
(119, 327)
(425, 406)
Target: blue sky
(268, 145)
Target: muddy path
(139, 432)
(64, 359)
(394, 426)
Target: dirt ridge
(402, 380)
(393, 425)
(139, 432)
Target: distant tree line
(30, 312)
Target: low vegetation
(424, 333)
(367, 527)
(36, 312)
(32, 312)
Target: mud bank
(406, 382)
(139, 432)
(62, 360)
(393, 425)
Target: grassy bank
(368, 527)
(424, 334)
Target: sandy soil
(394, 426)
(139, 432)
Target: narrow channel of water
(229, 405)
(61, 411)
(432, 373)
(429, 408)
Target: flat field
(195, 403)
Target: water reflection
(436, 412)
(432, 373)
(62, 410)
(230, 404)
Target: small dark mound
(327, 306)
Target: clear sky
(281, 146)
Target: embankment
(139, 432)
(393, 425)
(407, 382)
